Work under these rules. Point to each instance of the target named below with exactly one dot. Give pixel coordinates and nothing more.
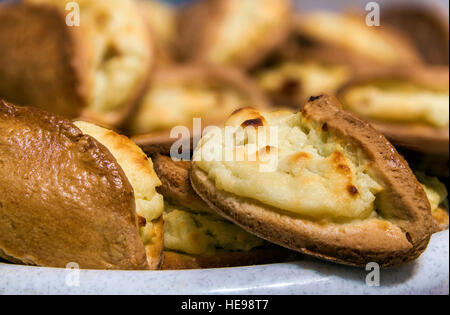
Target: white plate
(428, 275)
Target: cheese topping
(352, 33)
(119, 44)
(436, 191)
(176, 104)
(399, 104)
(245, 27)
(198, 233)
(314, 174)
(312, 78)
(139, 171)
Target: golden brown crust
(178, 261)
(76, 203)
(160, 141)
(176, 187)
(43, 65)
(154, 250)
(400, 237)
(418, 137)
(198, 26)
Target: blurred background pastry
(177, 95)
(232, 32)
(96, 70)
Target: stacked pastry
(274, 165)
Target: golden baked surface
(76, 203)
(119, 46)
(314, 175)
(395, 230)
(139, 171)
(399, 102)
(351, 33)
(302, 79)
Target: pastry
(425, 25)
(87, 195)
(232, 32)
(179, 94)
(347, 36)
(321, 182)
(409, 105)
(96, 70)
(196, 237)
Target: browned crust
(176, 187)
(160, 141)
(44, 65)
(154, 250)
(178, 261)
(310, 47)
(400, 238)
(60, 219)
(427, 27)
(198, 25)
(418, 137)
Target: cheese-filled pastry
(320, 181)
(89, 60)
(75, 193)
(347, 34)
(233, 32)
(179, 94)
(425, 25)
(409, 105)
(195, 236)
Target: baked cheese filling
(351, 33)
(290, 165)
(199, 233)
(399, 104)
(310, 78)
(245, 27)
(119, 48)
(436, 191)
(139, 171)
(176, 104)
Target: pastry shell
(76, 204)
(176, 188)
(400, 238)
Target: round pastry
(86, 195)
(347, 36)
(425, 25)
(96, 70)
(233, 32)
(321, 182)
(196, 237)
(409, 105)
(179, 94)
